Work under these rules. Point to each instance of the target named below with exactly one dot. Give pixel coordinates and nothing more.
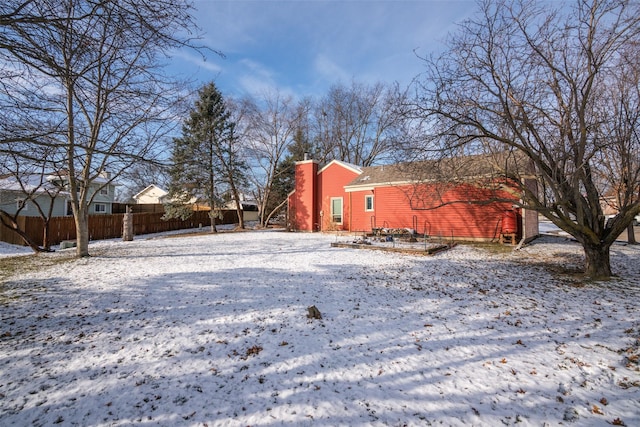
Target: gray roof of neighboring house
(63, 176)
(36, 183)
(30, 183)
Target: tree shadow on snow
(421, 341)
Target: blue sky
(302, 47)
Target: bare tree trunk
(82, 233)
(264, 218)
(597, 260)
(240, 214)
(273, 212)
(46, 218)
(631, 234)
(46, 244)
(236, 196)
(213, 216)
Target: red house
(472, 203)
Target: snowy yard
(213, 330)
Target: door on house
(336, 210)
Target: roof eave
(370, 186)
(348, 166)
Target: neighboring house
(52, 187)
(610, 208)
(22, 196)
(152, 194)
(250, 210)
(345, 197)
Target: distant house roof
(63, 176)
(29, 183)
(150, 188)
(382, 175)
(245, 205)
(250, 206)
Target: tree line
(249, 146)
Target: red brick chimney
(303, 210)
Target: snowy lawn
(213, 330)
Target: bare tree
(559, 86)
(356, 124)
(232, 167)
(274, 121)
(619, 166)
(92, 71)
(28, 186)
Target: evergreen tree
(203, 158)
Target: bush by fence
(108, 226)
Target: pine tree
(203, 158)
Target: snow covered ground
(7, 250)
(213, 330)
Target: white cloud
(198, 60)
(257, 79)
(307, 46)
(329, 69)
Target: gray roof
(29, 183)
(450, 169)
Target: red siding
(331, 182)
(302, 212)
(457, 218)
(362, 220)
(450, 211)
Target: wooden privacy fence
(108, 226)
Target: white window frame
(103, 207)
(368, 200)
(104, 191)
(335, 214)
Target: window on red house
(368, 203)
(336, 210)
